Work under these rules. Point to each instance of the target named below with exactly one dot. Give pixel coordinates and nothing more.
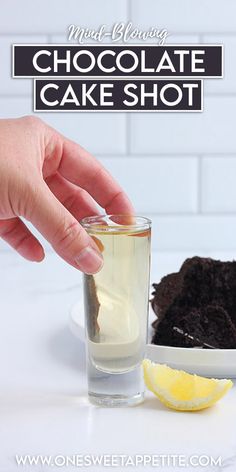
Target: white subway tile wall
(171, 182)
(196, 233)
(100, 133)
(218, 184)
(179, 169)
(228, 83)
(43, 16)
(185, 16)
(208, 132)
(8, 86)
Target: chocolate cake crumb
(92, 305)
(199, 300)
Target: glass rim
(105, 223)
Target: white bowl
(219, 363)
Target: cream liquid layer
(117, 340)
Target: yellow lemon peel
(182, 391)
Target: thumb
(64, 233)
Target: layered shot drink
(116, 308)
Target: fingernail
(89, 260)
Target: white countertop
(43, 404)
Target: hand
(53, 183)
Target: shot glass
(116, 309)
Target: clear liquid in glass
(116, 307)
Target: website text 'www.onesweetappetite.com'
(118, 460)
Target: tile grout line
(167, 155)
(187, 214)
(219, 94)
(206, 94)
(127, 117)
(129, 10)
(128, 134)
(199, 185)
(13, 33)
(201, 38)
(49, 251)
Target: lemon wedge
(182, 391)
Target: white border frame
(119, 76)
(45, 79)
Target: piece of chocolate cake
(92, 305)
(196, 307)
(208, 326)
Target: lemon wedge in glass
(182, 391)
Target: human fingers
(77, 201)
(79, 167)
(16, 233)
(63, 232)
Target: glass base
(115, 389)
(115, 400)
